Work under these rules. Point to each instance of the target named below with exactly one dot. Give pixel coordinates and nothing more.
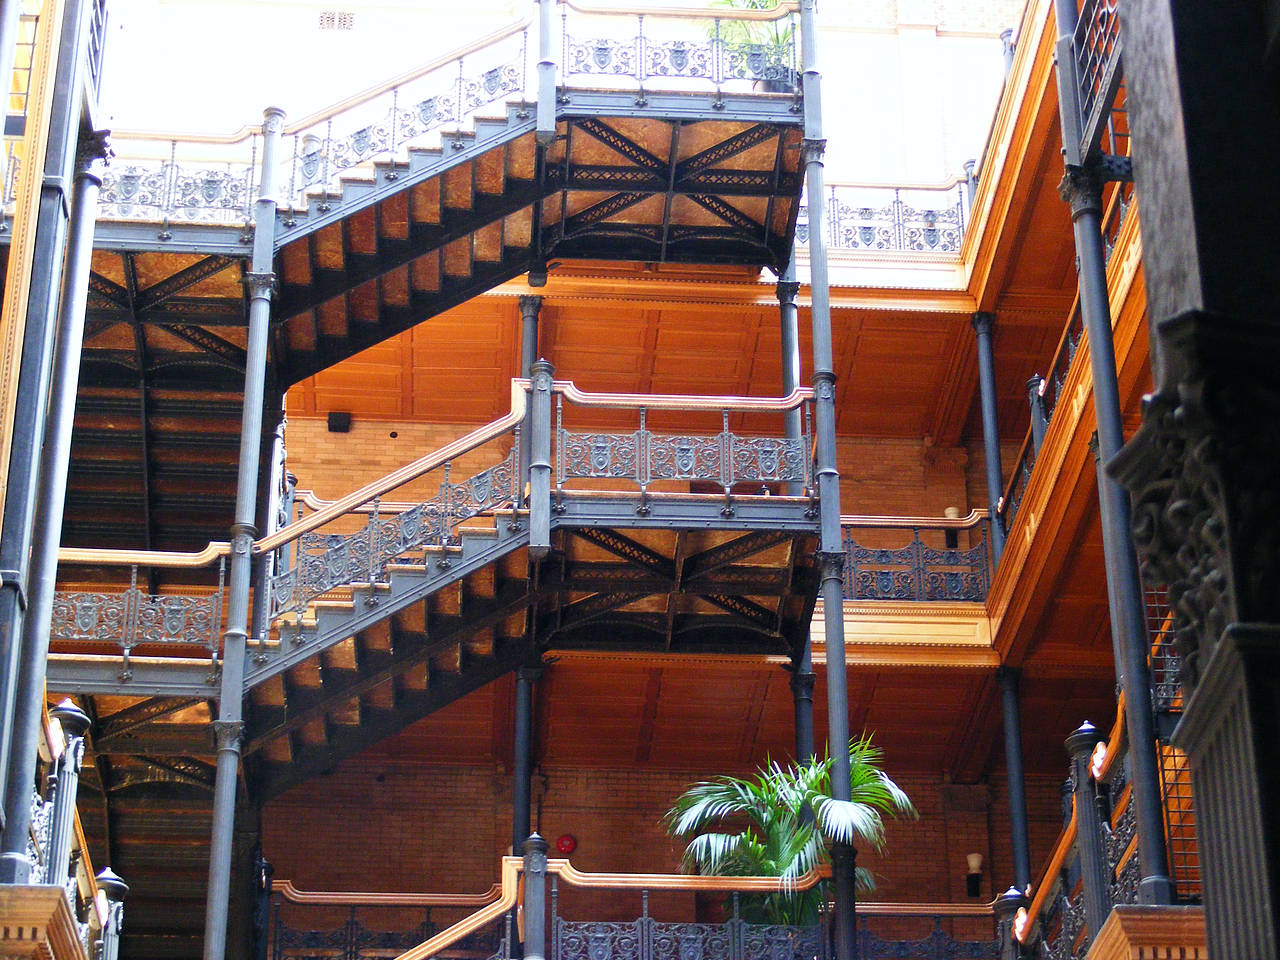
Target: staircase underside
(678, 179)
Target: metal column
(28, 425)
(982, 325)
(789, 317)
(1008, 677)
(55, 456)
(529, 308)
(229, 727)
(830, 548)
(522, 767)
(1082, 188)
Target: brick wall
(374, 824)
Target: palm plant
(778, 823)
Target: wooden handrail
(291, 893)
(683, 881)
(1066, 840)
(974, 517)
(1114, 741)
(668, 401)
(509, 884)
(145, 558)
(403, 475)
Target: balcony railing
(214, 179)
(1098, 70)
(675, 921)
(1045, 394)
(56, 847)
(1094, 865)
(943, 559)
(888, 219)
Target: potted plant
(779, 823)
(761, 51)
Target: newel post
(74, 723)
(1007, 906)
(1090, 843)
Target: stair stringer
(364, 187)
(372, 604)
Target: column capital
(1081, 187)
(260, 285)
(983, 322)
(90, 150)
(530, 672)
(530, 304)
(787, 291)
(811, 150)
(227, 734)
(802, 685)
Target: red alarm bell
(566, 843)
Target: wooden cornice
(1133, 932)
(891, 634)
(36, 921)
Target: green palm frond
(760, 825)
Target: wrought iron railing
(729, 460)
(56, 846)
(1097, 49)
(97, 43)
(1048, 396)
(213, 179)
(890, 219)
(551, 894)
(135, 617)
(297, 925)
(933, 565)
(1095, 863)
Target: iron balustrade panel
(1098, 69)
(136, 617)
(1017, 489)
(355, 939)
(1065, 938)
(936, 945)
(643, 456)
(916, 571)
(97, 43)
(648, 939)
(326, 562)
(648, 47)
(892, 219)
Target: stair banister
(405, 474)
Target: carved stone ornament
(1201, 469)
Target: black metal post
(228, 729)
(1007, 906)
(971, 181)
(541, 375)
(529, 308)
(982, 325)
(545, 133)
(1039, 421)
(27, 429)
(802, 682)
(55, 456)
(62, 830)
(830, 548)
(522, 767)
(1009, 698)
(115, 890)
(262, 874)
(1008, 49)
(788, 290)
(1082, 188)
(1089, 838)
(535, 898)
